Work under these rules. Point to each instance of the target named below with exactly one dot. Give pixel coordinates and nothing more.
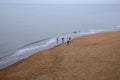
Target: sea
(23, 24)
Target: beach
(91, 57)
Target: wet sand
(93, 57)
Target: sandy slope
(93, 57)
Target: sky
(62, 1)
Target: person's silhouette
(68, 42)
(69, 38)
(57, 40)
(62, 40)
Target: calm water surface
(25, 23)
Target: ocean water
(21, 24)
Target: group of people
(68, 42)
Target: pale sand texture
(93, 57)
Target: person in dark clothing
(62, 40)
(69, 38)
(57, 40)
(68, 42)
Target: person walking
(57, 40)
(68, 42)
(62, 40)
(69, 38)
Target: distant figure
(69, 38)
(74, 32)
(62, 40)
(57, 40)
(68, 42)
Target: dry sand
(93, 57)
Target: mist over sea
(21, 24)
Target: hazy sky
(63, 1)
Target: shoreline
(91, 57)
(30, 49)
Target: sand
(93, 57)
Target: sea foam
(32, 48)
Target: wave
(31, 48)
(27, 45)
